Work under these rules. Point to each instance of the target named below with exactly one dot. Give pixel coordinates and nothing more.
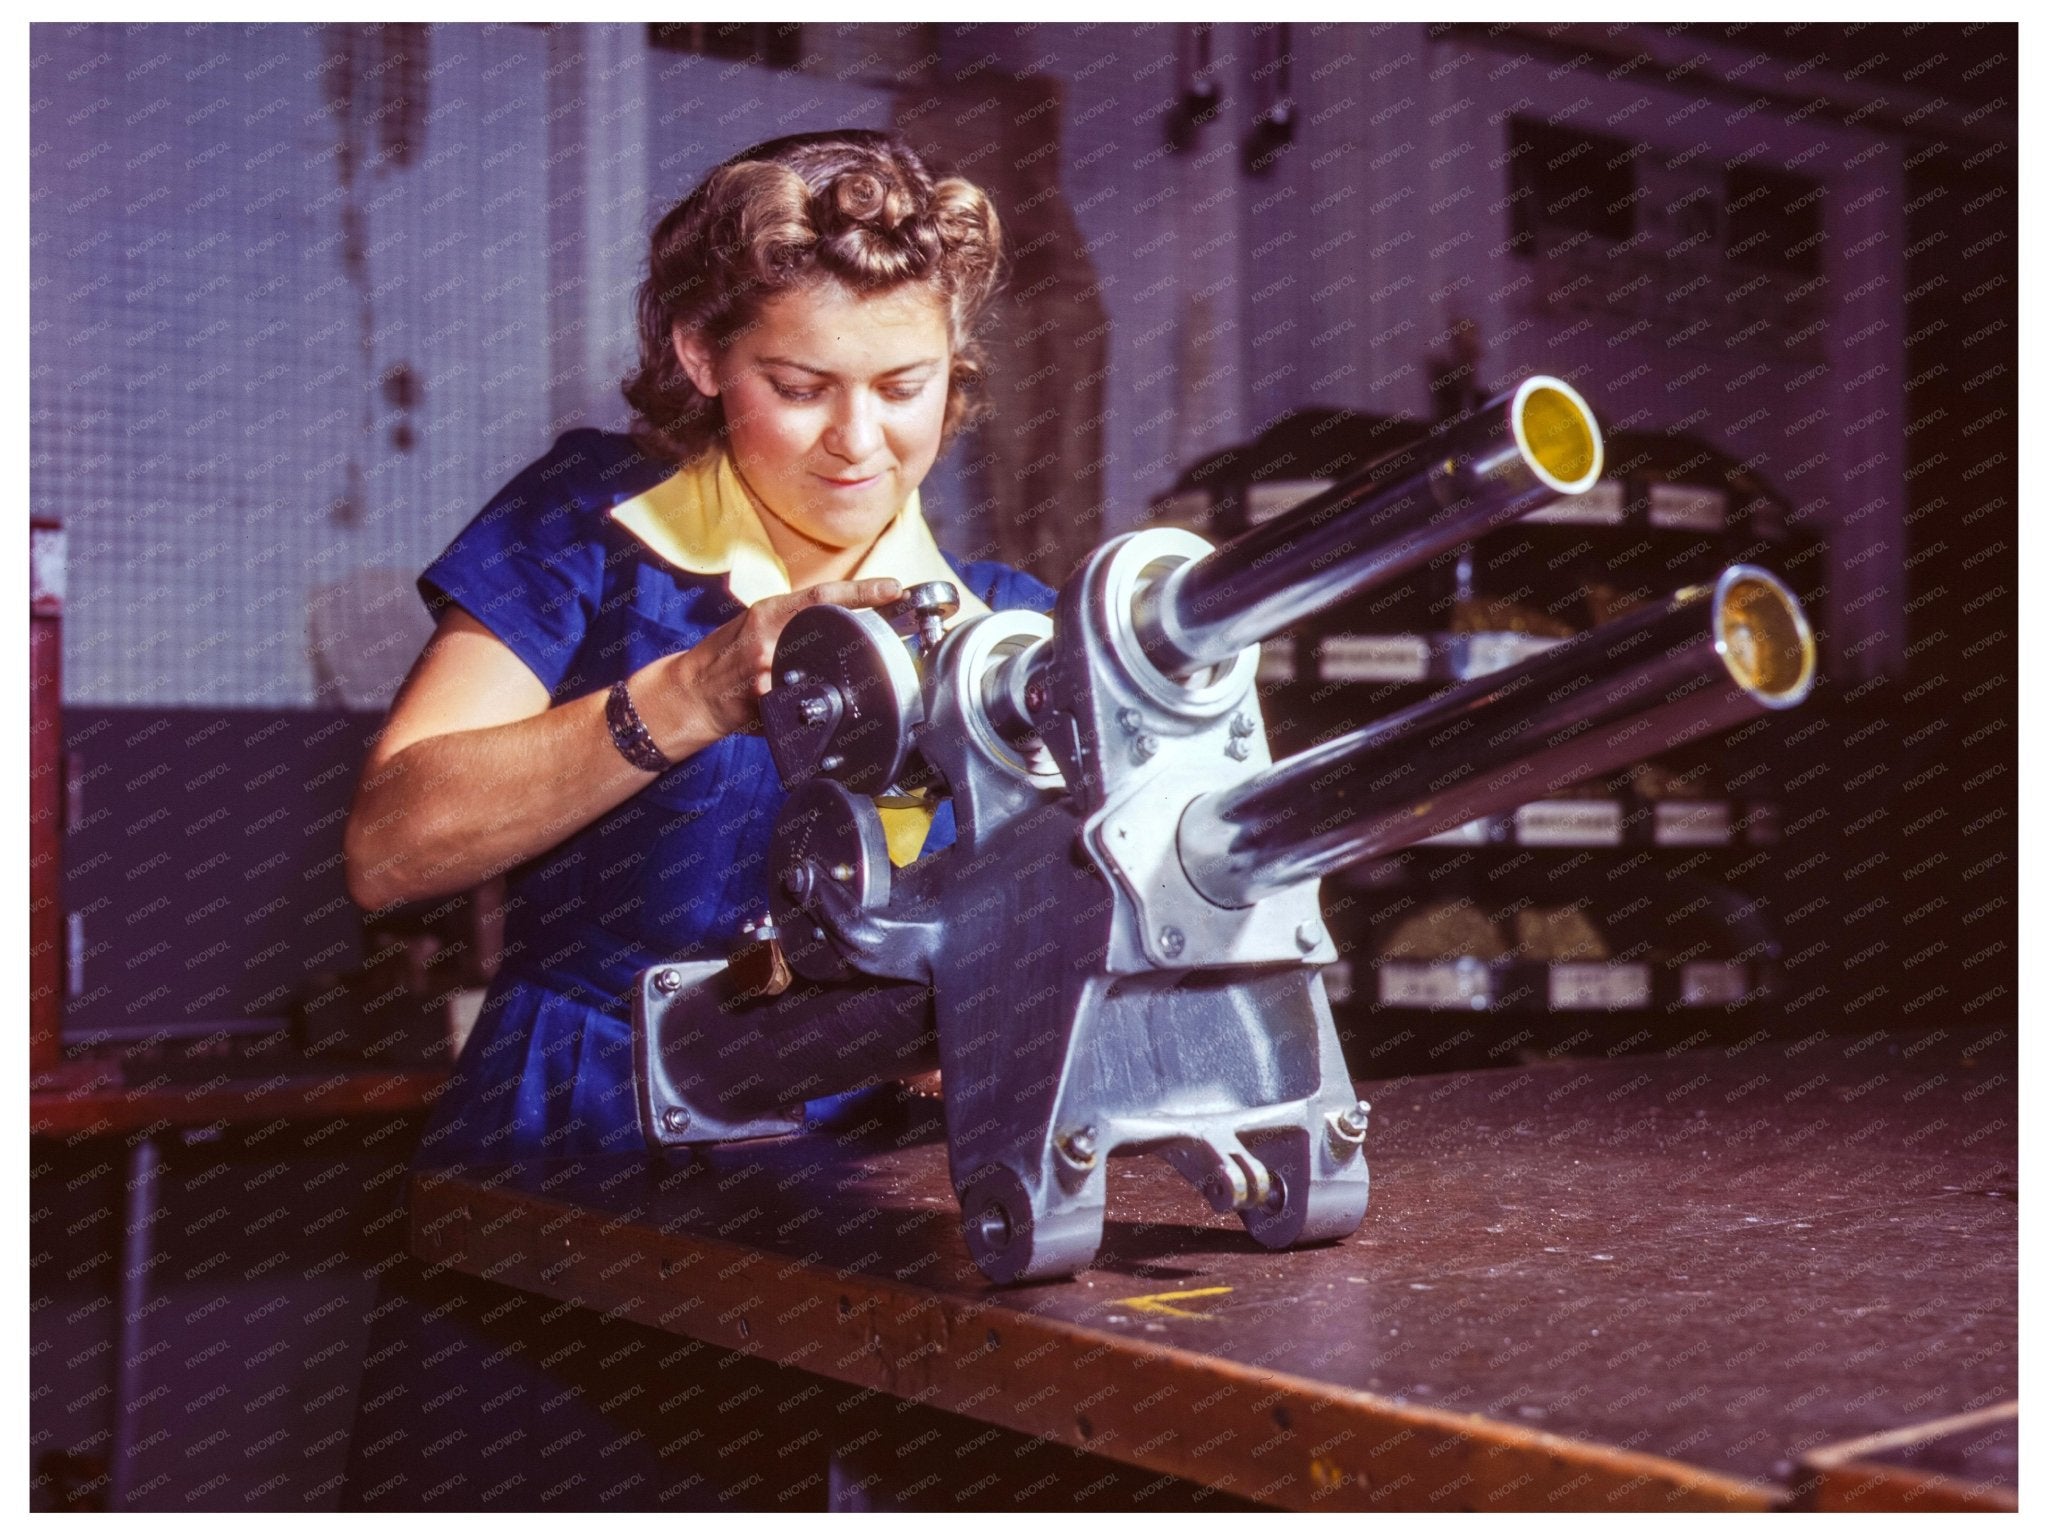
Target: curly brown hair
(853, 206)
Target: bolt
(1078, 1145)
(791, 678)
(1172, 940)
(992, 1226)
(668, 982)
(1237, 750)
(842, 872)
(1307, 936)
(1130, 720)
(675, 1121)
(815, 710)
(1145, 748)
(1241, 725)
(1347, 1129)
(1358, 1116)
(797, 881)
(832, 764)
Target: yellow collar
(700, 519)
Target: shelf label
(1337, 981)
(1375, 658)
(1266, 499)
(1712, 983)
(1688, 506)
(1602, 504)
(1600, 986)
(46, 571)
(1459, 836)
(1475, 655)
(1569, 823)
(1692, 823)
(1276, 660)
(1466, 984)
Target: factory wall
(1337, 274)
(332, 300)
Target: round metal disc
(856, 651)
(838, 836)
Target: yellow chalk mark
(1161, 1303)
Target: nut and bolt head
(1145, 748)
(1129, 719)
(675, 1121)
(1347, 1129)
(797, 881)
(832, 764)
(1078, 1145)
(1241, 725)
(1237, 749)
(668, 982)
(842, 872)
(791, 678)
(1171, 941)
(815, 710)
(1307, 936)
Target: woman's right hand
(711, 690)
(475, 771)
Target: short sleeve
(530, 565)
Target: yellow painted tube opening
(1558, 435)
(1763, 637)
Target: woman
(580, 719)
(607, 622)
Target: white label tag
(1375, 658)
(1688, 506)
(1692, 823)
(1569, 823)
(1276, 660)
(1475, 655)
(1712, 983)
(1602, 504)
(1270, 498)
(1599, 986)
(1466, 984)
(46, 566)
(1337, 981)
(1458, 836)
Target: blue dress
(672, 873)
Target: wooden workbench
(89, 1098)
(1649, 1282)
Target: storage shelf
(1619, 823)
(1470, 984)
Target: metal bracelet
(629, 734)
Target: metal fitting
(1077, 1147)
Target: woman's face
(834, 405)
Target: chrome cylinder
(1699, 661)
(1518, 452)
